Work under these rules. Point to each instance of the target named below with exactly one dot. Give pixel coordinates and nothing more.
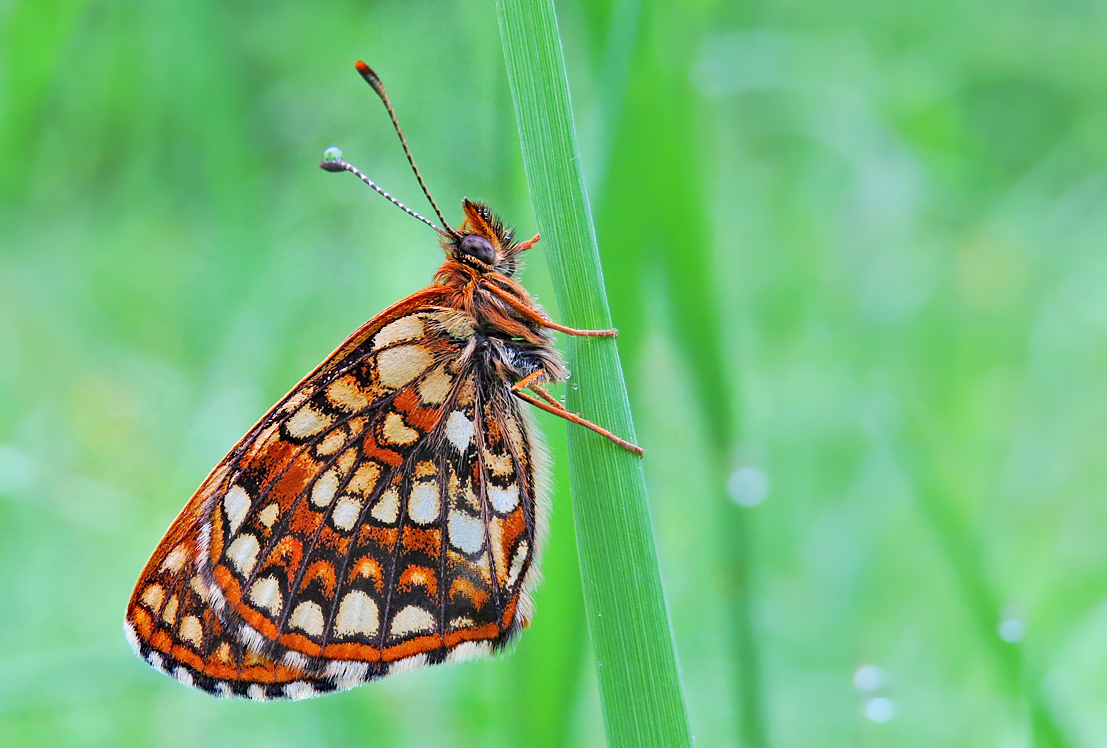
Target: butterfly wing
(383, 515)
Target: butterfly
(389, 511)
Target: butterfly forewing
(382, 515)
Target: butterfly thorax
(476, 280)
(508, 340)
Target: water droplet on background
(1011, 627)
(868, 678)
(748, 486)
(881, 709)
(1012, 630)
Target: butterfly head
(483, 243)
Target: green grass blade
(635, 659)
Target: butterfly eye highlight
(477, 247)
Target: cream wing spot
(358, 615)
(175, 559)
(308, 617)
(346, 393)
(268, 515)
(396, 431)
(466, 532)
(323, 491)
(332, 442)
(412, 620)
(459, 430)
(265, 593)
(243, 553)
(345, 514)
(236, 504)
(365, 479)
(398, 366)
(153, 596)
(435, 386)
(500, 465)
(169, 615)
(504, 499)
(423, 506)
(307, 421)
(387, 508)
(405, 328)
(192, 631)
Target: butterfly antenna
(374, 82)
(332, 161)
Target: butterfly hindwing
(382, 515)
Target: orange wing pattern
(385, 514)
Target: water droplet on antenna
(334, 153)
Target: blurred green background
(856, 254)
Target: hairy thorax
(503, 337)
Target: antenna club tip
(332, 166)
(362, 67)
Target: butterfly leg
(552, 405)
(543, 321)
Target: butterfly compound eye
(479, 248)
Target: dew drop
(334, 153)
(880, 710)
(748, 486)
(1012, 630)
(868, 678)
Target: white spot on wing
(423, 505)
(236, 503)
(308, 617)
(175, 560)
(396, 431)
(398, 366)
(345, 514)
(405, 328)
(357, 615)
(243, 553)
(192, 631)
(265, 593)
(268, 515)
(466, 532)
(307, 421)
(153, 596)
(504, 499)
(387, 509)
(435, 386)
(323, 490)
(459, 430)
(412, 620)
